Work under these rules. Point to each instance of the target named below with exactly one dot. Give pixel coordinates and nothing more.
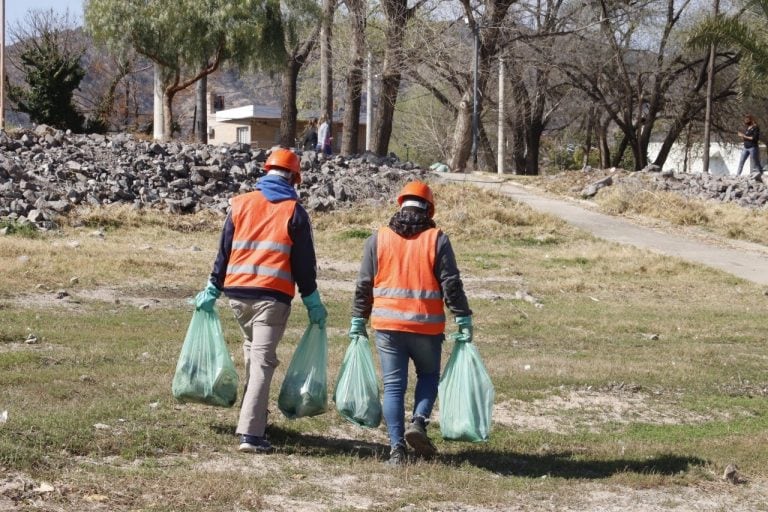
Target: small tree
(185, 39)
(49, 59)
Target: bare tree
(326, 60)
(487, 27)
(352, 96)
(397, 14)
(637, 85)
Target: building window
(243, 135)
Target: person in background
(309, 138)
(751, 150)
(324, 136)
(266, 250)
(407, 272)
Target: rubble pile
(747, 191)
(46, 172)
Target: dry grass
(586, 345)
(631, 195)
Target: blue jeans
(395, 350)
(753, 154)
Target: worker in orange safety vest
(266, 251)
(408, 271)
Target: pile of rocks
(748, 191)
(45, 173)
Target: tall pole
(474, 102)
(369, 104)
(500, 135)
(157, 111)
(708, 110)
(2, 65)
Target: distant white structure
(723, 158)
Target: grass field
(624, 380)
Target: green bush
(15, 228)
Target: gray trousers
(263, 325)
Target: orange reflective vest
(406, 294)
(261, 246)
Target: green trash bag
(304, 391)
(466, 396)
(205, 372)
(357, 390)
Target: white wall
(723, 158)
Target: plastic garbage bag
(439, 167)
(205, 372)
(304, 391)
(466, 396)
(357, 390)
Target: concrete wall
(723, 158)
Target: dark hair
(749, 119)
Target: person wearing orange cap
(408, 271)
(266, 250)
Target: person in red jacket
(266, 250)
(408, 271)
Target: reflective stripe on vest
(261, 246)
(406, 294)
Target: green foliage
(52, 72)
(356, 233)
(22, 230)
(744, 32)
(182, 35)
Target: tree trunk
(288, 103)
(326, 63)
(586, 148)
(201, 110)
(462, 133)
(603, 147)
(349, 140)
(397, 14)
(533, 147)
(619, 156)
(168, 115)
(487, 154)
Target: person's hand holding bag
(206, 299)
(315, 309)
(465, 329)
(357, 328)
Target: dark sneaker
(416, 437)
(254, 444)
(397, 456)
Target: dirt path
(742, 259)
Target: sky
(16, 10)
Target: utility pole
(158, 132)
(369, 104)
(2, 65)
(500, 136)
(708, 110)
